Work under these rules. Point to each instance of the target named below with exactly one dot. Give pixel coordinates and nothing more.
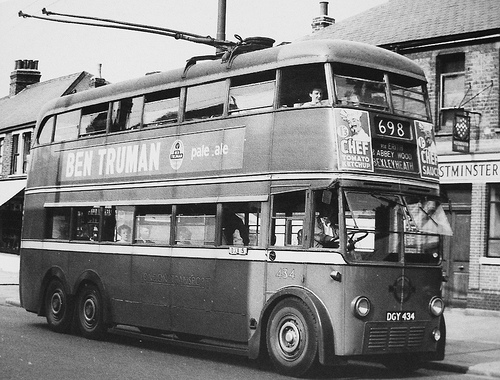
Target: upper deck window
(67, 126)
(46, 131)
(367, 88)
(126, 114)
(364, 92)
(161, 107)
(94, 119)
(252, 92)
(206, 100)
(409, 101)
(300, 86)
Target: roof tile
(410, 20)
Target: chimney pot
(322, 21)
(25, 73)
(323, 8)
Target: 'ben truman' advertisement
(209, 151)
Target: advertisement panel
(201, 152)
(384, 144)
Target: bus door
(285, 264)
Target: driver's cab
(366, 225)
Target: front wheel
(58, 307)
(90, 312)
(292, 340)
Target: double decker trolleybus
(283, 202)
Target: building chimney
(25, 73)
(322, 21)
(98, 81)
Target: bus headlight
(361, 306)
(436, 306)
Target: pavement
(473, 335)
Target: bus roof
(297, 53)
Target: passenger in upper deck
(316, 95)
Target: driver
(326, 234)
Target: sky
(64, 49)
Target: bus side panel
(309, 134)
(30, 279)
(331, 292)
(399, 320)
(192, 282)
(134, 286)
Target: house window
(21, 144)
(494, 222)
(2, 140)
(452, 84)
(26, 150)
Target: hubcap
(89, 310)
(56, 303)
(289, 337)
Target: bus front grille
(388, 337)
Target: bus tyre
(89, 312)
(58, 307)
(292, 341)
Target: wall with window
(14, 152)
(465, 79)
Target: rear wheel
(90, 312)
(292, 340)
(58, 307)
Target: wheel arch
(54, 272)
(92, 277)
(326, 347)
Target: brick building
(18, 113)
(457, 43)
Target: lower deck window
(195, 224)
(152, 225)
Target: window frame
(445, 70)
(493, 220)
(20, 151)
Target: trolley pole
(221, 23)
